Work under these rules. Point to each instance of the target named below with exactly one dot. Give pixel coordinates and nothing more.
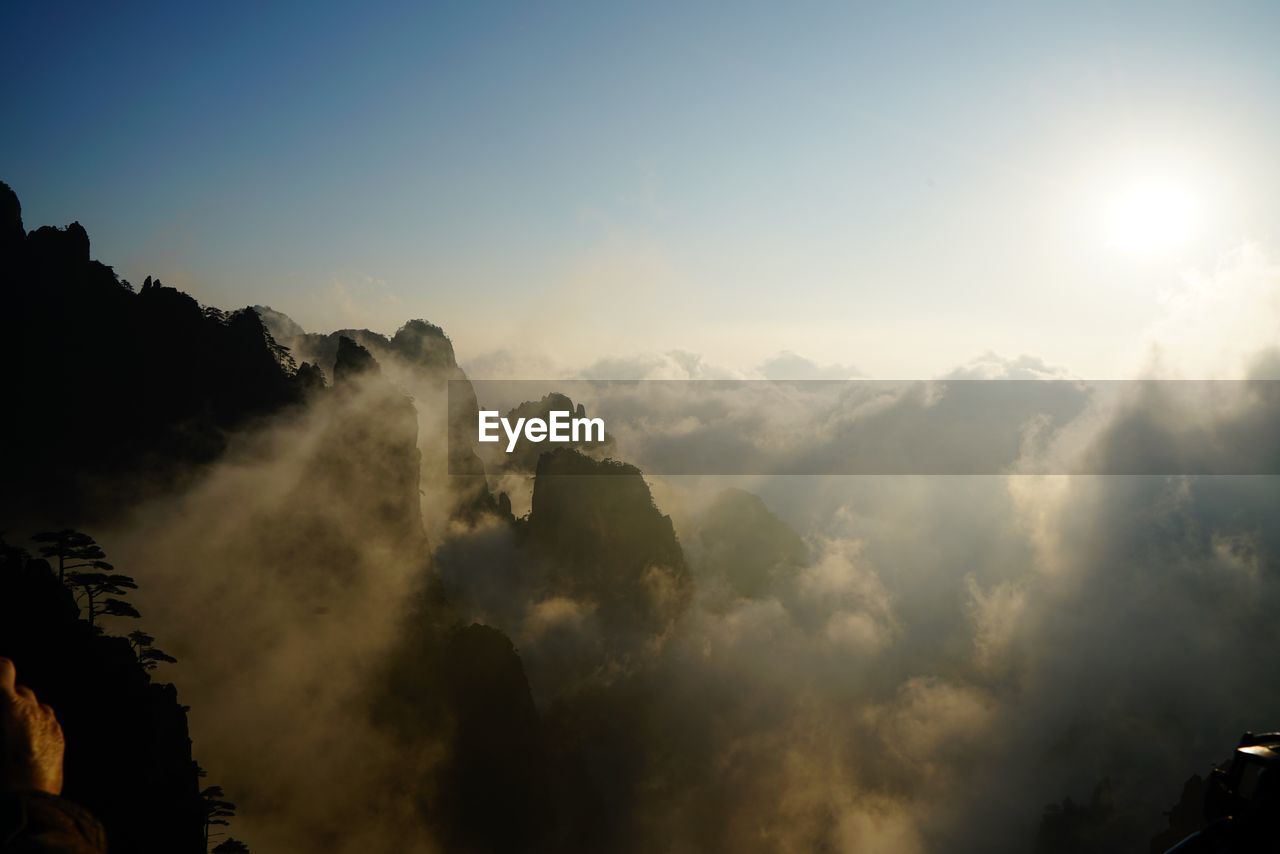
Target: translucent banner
(872, 427)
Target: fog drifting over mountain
(874, 664)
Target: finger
(8, 676)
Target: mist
(388, 640)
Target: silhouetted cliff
(128, 751)
(422, 357)
(111, 392)
(603, 539)
(460, 690)
(746, 549)
(419, 343)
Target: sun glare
(1151, 217)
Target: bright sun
(1151, 217)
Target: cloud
(277, 578)
(787, 365)
(507, 364)
(992, 366)
(671, 365)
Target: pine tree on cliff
(94, 586)
(99, 586)
(148, 656)
(70, 545)
(217, 810)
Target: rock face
(418, 343)
(352, 361)
(745, 548)
(128, 752)
(420, 359)
(460, 690)
(424, 344)
(605, 542)
(497, 765)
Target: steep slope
(603, 540)
(110, 392)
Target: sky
(896, 187)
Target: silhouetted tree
(148, 655)
(216, 810)
(97, 584)
(70, 545)
(231, 845)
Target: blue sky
(898, 188)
